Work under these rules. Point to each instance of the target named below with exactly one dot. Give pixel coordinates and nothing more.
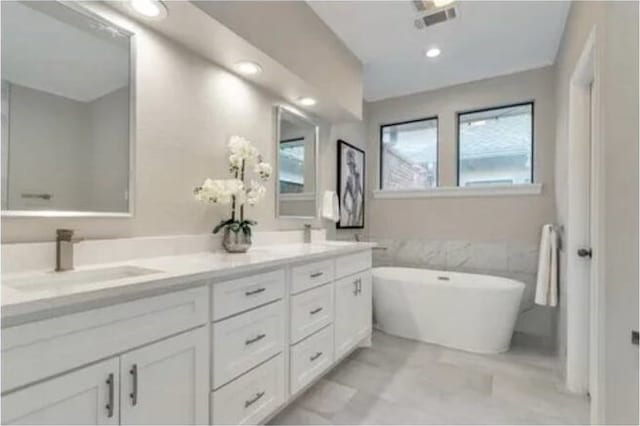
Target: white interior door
(88, 396)
(167, 382)
(583, 231)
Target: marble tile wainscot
(208, 338)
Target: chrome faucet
(64, 249)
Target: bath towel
(547, 283)
(330, 208)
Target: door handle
(586, 252)
(110, 391)
(134, 383)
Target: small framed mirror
(67, 112)
(297, 165)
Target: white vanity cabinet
(156, 369)
(353, 311)
(166, 382)
(88, 396)
(162, 383)
(353, 301)
(229, 350)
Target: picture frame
(350, 181)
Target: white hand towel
(330, 208)
(547, 282)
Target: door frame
(585, 304)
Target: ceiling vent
(436, 17)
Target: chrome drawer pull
(253, 400)
(110, 403)
(315, 311)
(252, 292)
(316, 274)
(255, 339)
(134, 392)
(315, 356)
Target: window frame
(381, 149)
(533, 139)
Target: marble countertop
(32, 303)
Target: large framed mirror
(67, 112)
(297, 165)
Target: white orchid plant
(236, 191)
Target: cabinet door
(364, 306)
(88, 396)
(347, 315)
(166, 382)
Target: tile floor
(399, 381)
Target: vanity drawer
(310, 358)
(40, 349)
(231, 297)
(311, 275)
(310, 311)
(350, 264)
(242, 342)
(250, 398)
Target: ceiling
(59, 51)
(487, 39)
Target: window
(292, 166)
(409, 155)
(495, 146)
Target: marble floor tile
(296, 415)
(327, 397)
(367, 409)
(400, 381)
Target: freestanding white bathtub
(472, 312)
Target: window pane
(410, 155)
(496, 146)
(292, 166)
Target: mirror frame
(100, 20)
(279, 110)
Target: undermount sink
(45, 280)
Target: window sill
(457, 191)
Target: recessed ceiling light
(248, 68)
(306, 101)
(153, 9)
(433, 52)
